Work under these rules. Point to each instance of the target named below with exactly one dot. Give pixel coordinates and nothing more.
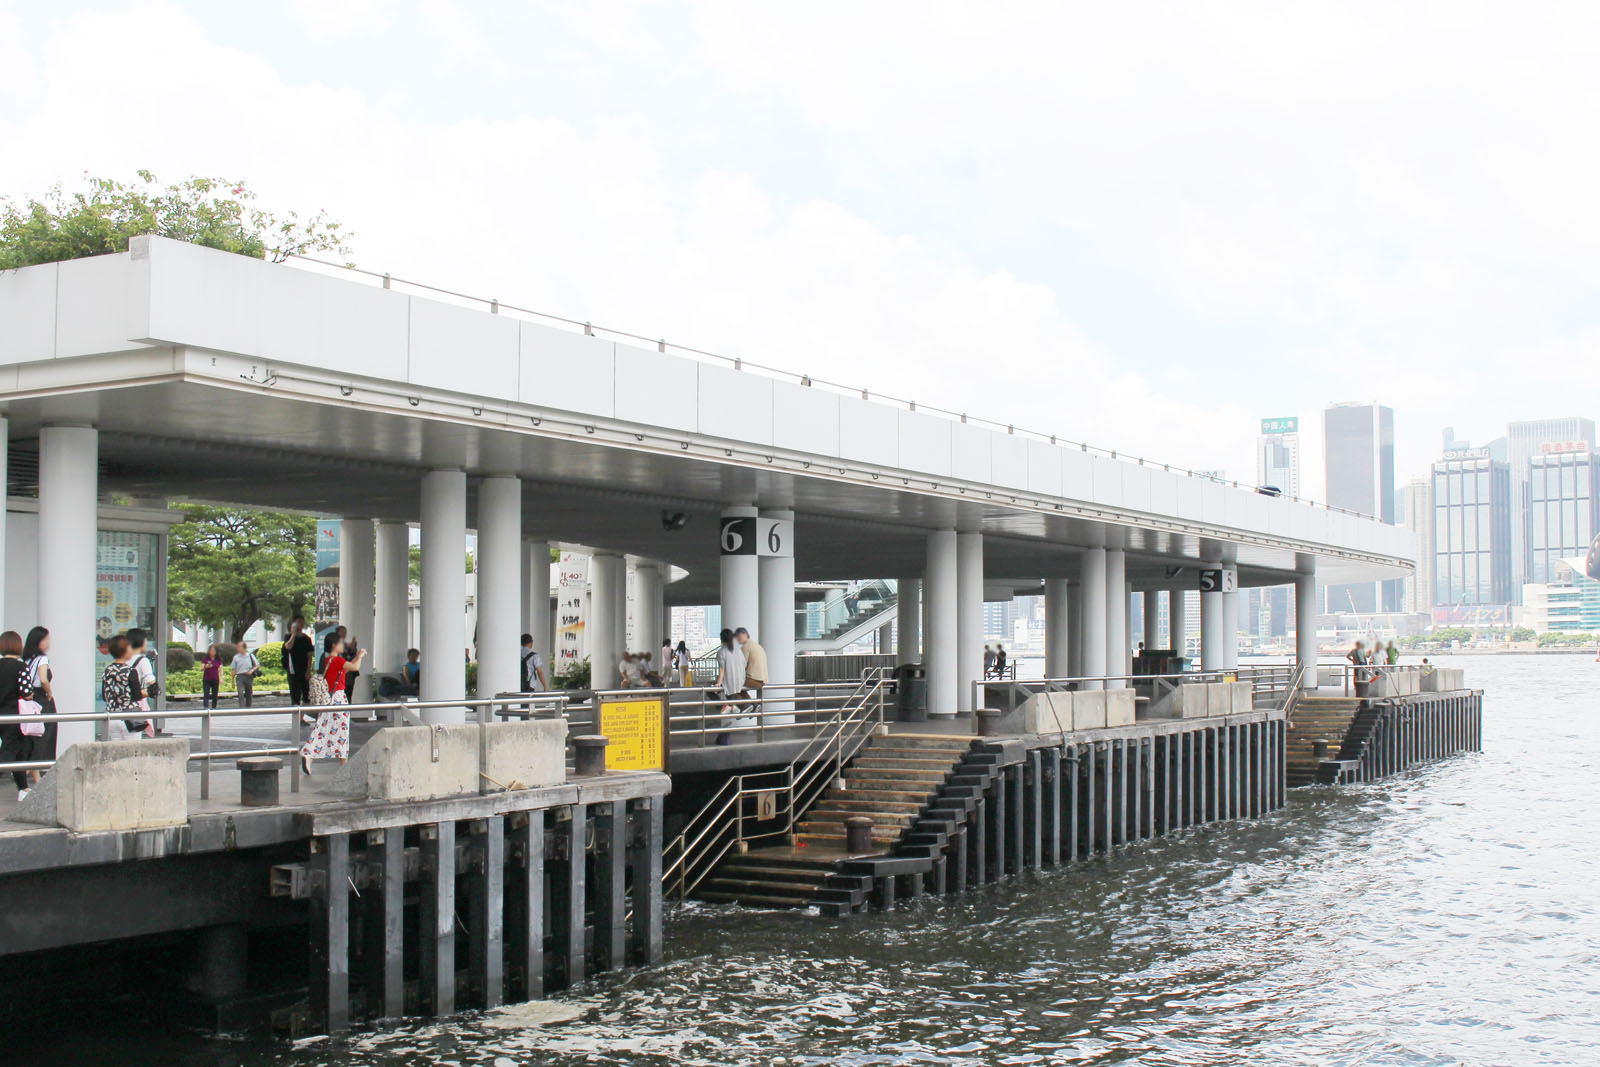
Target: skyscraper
(1278, 455)
(1415, 513)
(1358, 450)
(1524, 440)
(1471, 529)
(1563, 495)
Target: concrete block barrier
(526, 755)
(114, 785)
(1089, 710)
(1045, 713)
(429, 762)
(1120, 707)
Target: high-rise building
(1358, 453)
(1471, 529)
(1278, 455)
(1524, 440)
(1414, 511)
(1563, 496)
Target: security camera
(674, 520)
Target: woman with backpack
(122, 692)
(330, 737)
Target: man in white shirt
(533, 680)
(244, 666)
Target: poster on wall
(119, 600)
(570, 591)
(325, 606)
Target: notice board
(637, 727)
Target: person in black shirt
(14, 747)
(298, 650)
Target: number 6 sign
(774, 537)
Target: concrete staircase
(891, 781)
(1317, 718)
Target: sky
(1145, 226)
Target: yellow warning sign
(637, 727)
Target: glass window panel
(1441, 533)
(1538, 526)
(1455, 529)
(1569, 481)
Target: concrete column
(741, 571)
(68, 525)
(1056, 656)
(1212, 628)
(444, 592)
(775, 629)
(357, 588)
(648, 593)
(939, 640)
(607, 622)
(500, 585)
(5, 458)
(536, 600)
(969, 617)
(1116, 616)
(908, 621)
(392, 596)
(1230, 625)
(1092, 582)
(1177, 619)
(1152, 620)
(1075, 630)
(1305, 625)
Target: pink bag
(30, 707)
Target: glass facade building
(1278, 455)
(1472, 529)
(1358, 450)
(1525, 440)
(1562, 492)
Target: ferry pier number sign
(637, 727)
(750, 536)
(1219, 580)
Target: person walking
(352, 652)
(684, 664)
(533, 679)
(1358, 658)
(210, 677)
(730, 681)
(36, 654)
(668, 667)
(988, 662)
(245, 667)
(119, 691)
(999, 661)
(1391, 654)
(15, 746)
(755, 662)
(298, 650)
(330, 737)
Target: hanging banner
(570, 592)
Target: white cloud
(328, 20)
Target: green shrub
(180, 644)
(472, 678)
(574, 677)
(179, 658)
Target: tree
(415, 556)
(212, 212)
(231, 567)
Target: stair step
(953, 753)
(764, 899)
(932, 776)
(797, 876)
(848, 801)
(758, 885)
(812, 837)
(901, 763)
(821, 813)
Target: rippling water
(1446, 916)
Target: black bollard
(590, 750)
(1319, 750)
(858, 834)
(989, 722)
(258, 781)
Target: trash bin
(911, 693)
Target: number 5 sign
(1219, 580)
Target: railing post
(205, 764)
(294, 763)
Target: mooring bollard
(1319, 750)
(858, 834)
(590, 750)
(989, 722)
(258, 781)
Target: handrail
(719, 826)
(496, 306)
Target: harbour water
(1447, 916)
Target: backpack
(117, 689)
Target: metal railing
(769, 804)
(1271, 680)
(479, 709)
(1357, 679)
(495, 306)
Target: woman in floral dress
(330, 737)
